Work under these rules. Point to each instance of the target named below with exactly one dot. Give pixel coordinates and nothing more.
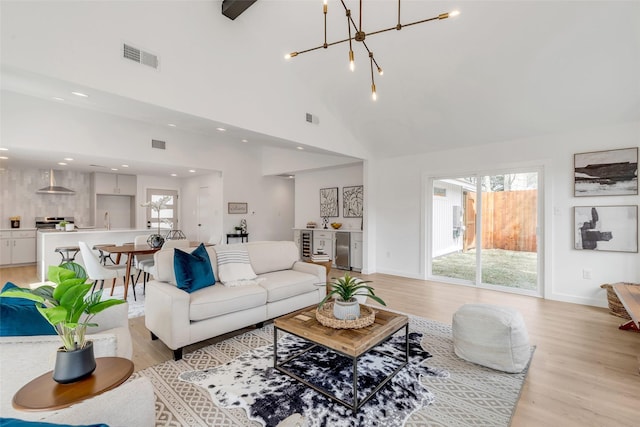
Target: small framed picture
(329, 202)
(352, 199)
(606, 228)
(237, 208)
(606, 173)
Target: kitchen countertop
(94, 230)
(349, 230)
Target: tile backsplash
(18, 196)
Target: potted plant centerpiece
(156, 240)
(345, 288)
(63, 306)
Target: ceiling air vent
(139, 56)
(156, 143)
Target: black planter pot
(155, 241)
(74, 365)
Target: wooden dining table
(131, 250)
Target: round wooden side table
(44, 394)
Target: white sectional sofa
(179, 318)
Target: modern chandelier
(360, 36)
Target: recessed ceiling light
(68, 159)
(114, 169)
(4, 158)
(80, 94)
(57, 98)
(245, 140)
(221, 129)
(174, 174)
(62, 163)
(4, 149)
(291, 176)
(171, 124)
(192, 170)
(125, 166)
(300, 148)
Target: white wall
(69, 130)
(307, 194)
(78, 42)
(400, 237)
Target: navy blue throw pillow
(20, 317)
(193, 270)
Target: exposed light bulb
(374, 95)
(454, 13)
(324, 6)
(380, 71)
(352, 65)
(290, 55)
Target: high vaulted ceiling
(499, 71)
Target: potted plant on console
(63, 306)
(346, 288)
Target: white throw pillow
(234, 268)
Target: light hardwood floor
(584, 371)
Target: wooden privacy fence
(509, 220)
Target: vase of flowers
(156, 240)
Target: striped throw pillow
(234, 267)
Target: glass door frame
(543, 254)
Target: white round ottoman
(491, 336)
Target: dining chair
(98, 272)
(144, 262)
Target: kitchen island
(48, 240)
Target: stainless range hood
(53, 188)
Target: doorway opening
(167, 219)
(485, 230)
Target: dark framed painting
(237, 208)
(352, 201)
(606, 173)
(606, 228)
(329, 202)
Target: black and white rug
(269, 396)
(472, 395)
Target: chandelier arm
(422, 21)
(360, 17)
(399, 25)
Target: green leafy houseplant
(64, 305)
(347, 287)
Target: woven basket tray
(325, 316)
(615, 306)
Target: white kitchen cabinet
(112, 183)
(17, 247)
(356, 251)
(323, 240)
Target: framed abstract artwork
(352, 201)
(606, 228)
(606, 173)
(329, 202)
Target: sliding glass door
(484, 230)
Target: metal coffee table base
(356, 404)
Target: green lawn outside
(499, 267)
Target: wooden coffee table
(44, 394)
(351, 343)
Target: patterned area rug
(471, 396)
(269, 397)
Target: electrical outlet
(586, 274)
